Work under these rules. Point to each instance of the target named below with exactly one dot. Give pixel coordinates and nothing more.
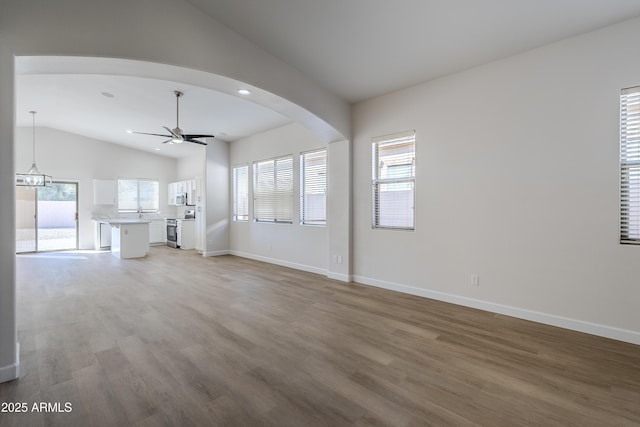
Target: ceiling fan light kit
(177, 135)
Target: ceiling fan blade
(154, 134)
(175, 135)
(193, 135)
(195, 141)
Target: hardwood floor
(179, 340)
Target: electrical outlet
(475, 280)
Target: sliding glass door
(26, 230)
(47, 217)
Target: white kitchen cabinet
(102, 235)
(176, 189)
(187, 191)
(190, 189)
(182, 188)
(129, 238)
(172, 193)
(105, 236)
(199, 188)
(186, 233)
(179, 189)
(105, 192)
(157, 232)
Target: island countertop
(129, 237)
(124, 221)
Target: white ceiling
(357, 49)
(76, 103)
(363, 48)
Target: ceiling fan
(176, 135)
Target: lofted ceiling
(106, 107)
(356, 49)
(363, 48)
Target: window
(393, 181)
(138, 195)
(630, 165)
(273, 190)
(241, 193)
(313, 188)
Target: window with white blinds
(630, 165)
(273, 190)
(313, 187)
(241, 193)
(393, 181)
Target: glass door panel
(25, 219)
(57, 217)
(46, 217)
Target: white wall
(191, 167)
(9, 347)
(517, 181)
(339, 210)
(295, 245)
(69, 157)
(217, 198)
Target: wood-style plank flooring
(179, 340)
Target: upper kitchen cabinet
(191, 191)
(182, 193)
(105, 192)
(172, 191)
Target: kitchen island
(129, 237)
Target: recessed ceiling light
(129, 131)
(244, 91)
(107, 94)
(157, 149)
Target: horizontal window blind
(241, 193)
(630, 165)
(393, 181)
(273, 190)
(313, 188)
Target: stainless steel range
(172, 232)
(174, 228)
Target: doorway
(47, 217)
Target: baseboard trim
(303, 267)
(215, 253)
(11, 372)
(283, 263)
(338, 276)
(619, 334)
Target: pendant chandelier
(33, 177)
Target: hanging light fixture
(33, 178)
